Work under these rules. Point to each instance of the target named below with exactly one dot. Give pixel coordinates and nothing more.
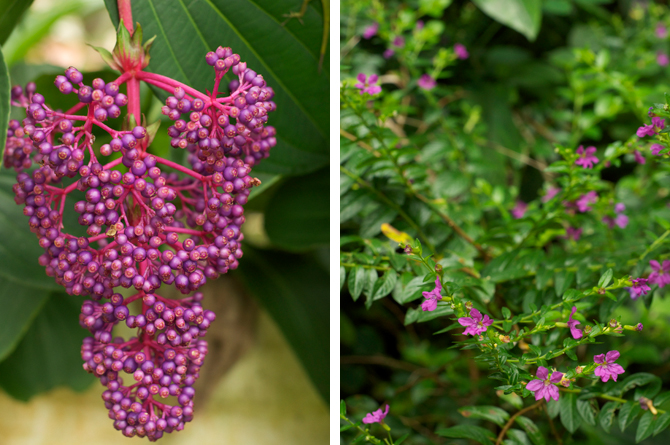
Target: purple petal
(553, 392)
(598, 371)
(466, 321)
(576, 333)
(429, 305)
(542, 373)
(538, 394)
(385, 412)
(556, 377)
(580, 150)
(616, 368)
(372, 79)
(534, 385)
(476, 315)
(487, 321)
(599, 358)
(605, 376)
(612, 356)
(438, 285)
(666, 265)
(361, 77)
(590, 150)
(655, 266)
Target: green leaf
(410, 291)
(645, 427)
(294, 291)
(516, 437)
(627, 414)
(298, 214)
(20, 305)
(356, 282)
(384, 285)
(606, 278)
(419, 315)
(10, 14)
(587, 412)
(642, 379)
(48, 355)
(343, 276)
(5, 106)
(531, 430)
(662, 423)
(523, 16)
(606, 415)
(287, 57)
(477, 433)
(402, 439)
(343, 408)
(19, 248)
(570, 417)
(562, 281)
(506, 312)
(491, 413)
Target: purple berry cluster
(209, 132)
(149, 222)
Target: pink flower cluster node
(543, 386)
(660, 274)
(432, 297)
(656, 149)
(639, 288)
(461, 51)
(519, 210)
(553, 191)
(607, 368)
(376, 416)
(367, 84)
(370, 31)
(475, 324)
(586, 157)
(584, 201)
(426, 82)
(572, 324)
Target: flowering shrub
(504, 217)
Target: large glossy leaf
(10, 13)
(492, 413)
(48, 355)
(524, 16)
(297, 215)
(20, 304)
(287, 56)
(570, 416)
(294, 290)
(476, 433)
(5, 106)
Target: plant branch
(511, 420)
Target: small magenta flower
(426, 82)
(576, 333)
(656, 149)
(399, 41)
(376, 416)
(366, 84)
(474, 324)
(646, 130)
(584, 201)
(586, 158)
(388, 53)
(519, 209)
(573, 233)
(432, 297)
(619, 207)
(639, 327)
(658, 122)
(607, 368)
(660, 274)
(544, 386)
(370, 31)
(662, 59)
(553, 191)
(639, 288)
(661, 31)
(461, 51)
(639, 158)
(419, 25)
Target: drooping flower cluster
(158, 223)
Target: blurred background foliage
(286, 232)
(539, 74)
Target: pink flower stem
(111, 131)
(188, 231)
(126, 14)
(133, 86)
(146, 76)
(182, 169)
(76, 108)
(164, 86)
(123, 78)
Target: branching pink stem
(181, 168)
(126, 14)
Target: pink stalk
(188, 231)
(182, 169)
(145, 76)
(133, 86)
(126, 14)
